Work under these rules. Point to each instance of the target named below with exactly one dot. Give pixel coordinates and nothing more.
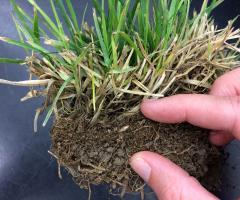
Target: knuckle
(220, 88)
(217, 87)
(218, 82)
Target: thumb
(167, 179)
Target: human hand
(217, 111)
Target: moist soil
(99, 153)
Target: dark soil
(100, 153)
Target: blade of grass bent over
(13, 61)
(23, 45)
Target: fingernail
(141, 167)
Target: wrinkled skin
(218, 111)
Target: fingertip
(143, 106)
(168, 180)
(140, 166)
(160, 166)
(142, 154)
(220, 138)
(148, 107)
(216, 142)
(135, 156)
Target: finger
(220, 138)
(212, 112)
(167, 179)
(228, 84)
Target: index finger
(206, 111)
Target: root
(124, 188)
(142, 193)
(179, 153)
(89, 191)
(58, 162)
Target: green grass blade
(22, 19)
(51, 25)
(12, 61)
(132, 13)
(123, 16)
(75, 70)
(145, 21)
(97, 6)
(24, 32)
(60, 91)
(36, 27)
(104, 27)
(112, 19)
(37, 47)
(128, 39)
(213, 5)
(83, 17)
(122, 10)
(65, 16)
(73, 15)
(184, 18)
(114, 52)
(100, 38)
(119, 9)
(59, 24)
(16, 43)
(75, 36)
(20, 34)
(30, 46)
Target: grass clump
(137, 49)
